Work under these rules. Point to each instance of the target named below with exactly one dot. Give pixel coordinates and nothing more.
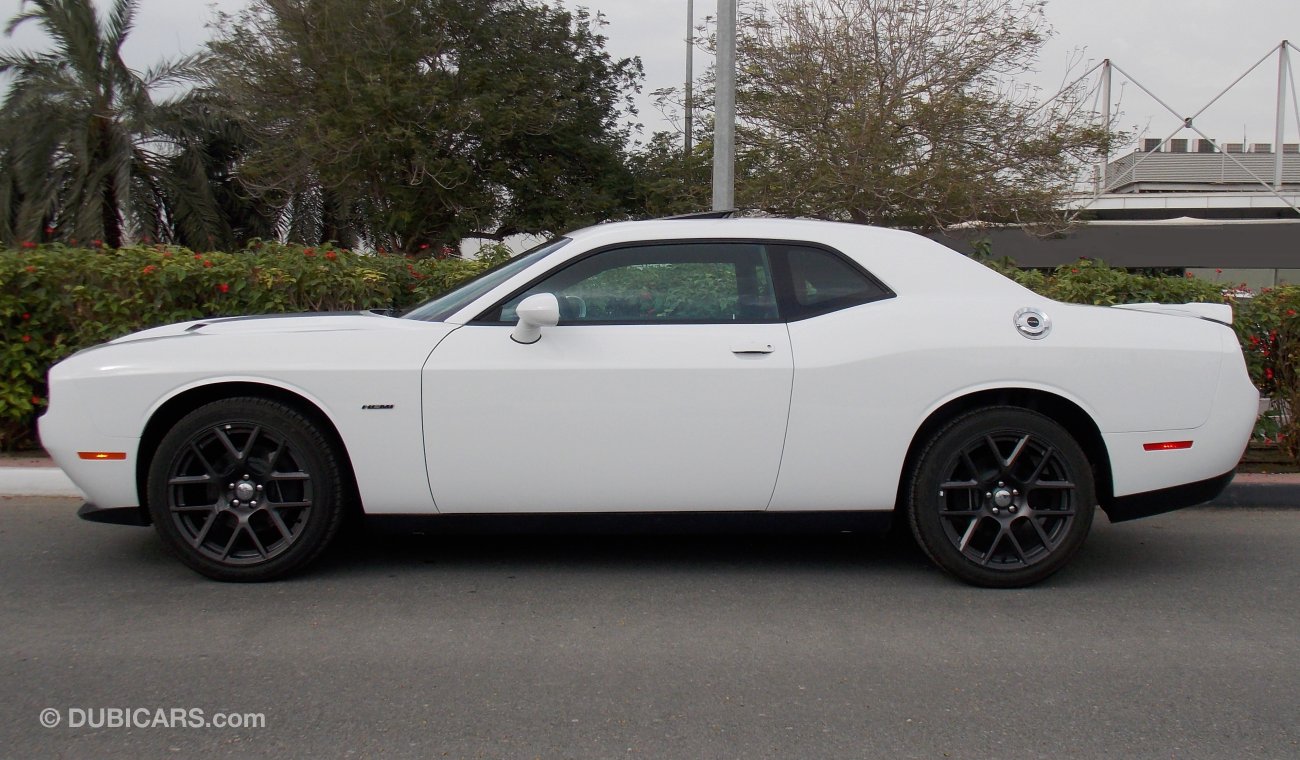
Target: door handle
(753, 348)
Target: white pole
(1105, 118)
(724, 132)
(690, 71)
(1280, 130)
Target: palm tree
(86, 149)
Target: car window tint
(824, 282)
(711, 282)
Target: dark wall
(1270, 245)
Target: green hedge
(56, 300)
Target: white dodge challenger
(682, 365)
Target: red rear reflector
(1167, 445)
(102, 454)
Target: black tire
(246, 489)
(1001, 497)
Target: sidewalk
(37, 476)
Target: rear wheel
(246, 489)
(1001, 497)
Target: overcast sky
(1185, 51)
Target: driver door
(665, 386)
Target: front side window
(660, 284)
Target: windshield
(459, 297)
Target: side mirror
(535, 312)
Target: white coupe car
(679, 365)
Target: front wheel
(246, 489)
(1001, 497)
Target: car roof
(905, 261)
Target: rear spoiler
(1215, 312)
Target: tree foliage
(900, 113)
(412, 123)
(87, 151)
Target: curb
(37, 481)
(1286, 495)
(1249, 492)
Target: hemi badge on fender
(102, 454)
(1167, 445)
(376, 406)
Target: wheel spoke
(970, 532)
(186, 480)
(1010, 461)
(193, 507)
(961, 512)
(279, 525)
(287, 504)
(229, 444)
(257, 544)
(234, 534)
(1048, 452)
(278, 476)
(203, 532)
(1042, 534)
(248, 445)
(988, 555)
(1015, 544)
(212, 471)
(970, 464)
(954, 485)
(1060, 485)
(275, 457)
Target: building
(1213, 210)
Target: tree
(86, 151)
(413, 123)
(902, 113)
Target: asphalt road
(1173, 637)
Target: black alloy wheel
(246, 489)
(1002, 497)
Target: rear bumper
(1149, 503)
(113, 515)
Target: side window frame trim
(788, 307)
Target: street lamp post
(724, 134)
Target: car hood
(268, 323)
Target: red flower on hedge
(207, 263)
(149, 269)
(97, 243)
(224, 288)
(36, 401)
(1290, 312)
(198, 256)
(309, 252)
(29, 268)
(49, 229)
(1268, 373)
(28, 244)
(27, 339)
(26, 316)
(331, 255)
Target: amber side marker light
(102, 454)
(1167, 445)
